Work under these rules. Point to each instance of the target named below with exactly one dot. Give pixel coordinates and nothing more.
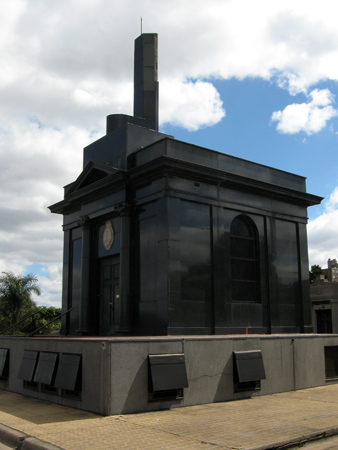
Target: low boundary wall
(115, 372)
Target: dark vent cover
(167, 372)
(249, 366)
(4, 352)
(28, 364)
(68, 372)
(46, 368)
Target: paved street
(258, 423)
(323, 444)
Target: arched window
(244, 260)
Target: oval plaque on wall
(108, 235)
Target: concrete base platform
(115, 372)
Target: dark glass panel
(287, 315)
(195, 244)
(195, 252)
(288, 287)
(148, 259)
(76, 270)
(149, 210)
(195, 232)
(243, 248)
(76, 253)
(243, 270)
(286, 265)
(286, 246)
(244, 261)
(195, 282)
(195, 215)
(244, 291)
(240, 228)
(287, 254)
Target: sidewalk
(267, 422)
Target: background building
(331, 273)
(324, 299)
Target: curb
(298, 440)
(21, 441)
(9, 436)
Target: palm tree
(15, 295)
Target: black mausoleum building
(162, 237)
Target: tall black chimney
(145, 78)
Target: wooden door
(109, 295)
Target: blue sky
(257, 80)
(248, 132)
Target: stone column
(126, 308)
(305, 306)
(86, 327)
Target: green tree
(43, 316)
(16, 296)
(316, 270)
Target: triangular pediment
(92, 173)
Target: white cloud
(323, 233)
(76, 56)
(191, 105)
(310, 117)
(50, 283)
(36, 163)
(65, 65)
